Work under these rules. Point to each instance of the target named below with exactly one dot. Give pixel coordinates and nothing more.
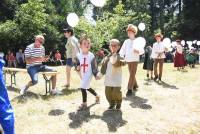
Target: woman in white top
(131, 56)
(158, 54)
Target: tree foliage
(21, 20)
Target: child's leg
(147, 73)
(155, 68)
(108, 92)
(151, 74)
(92, 91)
(117, 96)
(84, 95)
(95, 94)
(161, 61)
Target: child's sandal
(82, 107)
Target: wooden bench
(46, 75)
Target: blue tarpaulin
(6, 111)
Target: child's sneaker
(129, 93)
(111, 107)
(55, 92)
(82, 107)
(118, 107)
(23, 90)
(97, 99)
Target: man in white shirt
(131, 56)
(158, 54)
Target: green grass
(172, 107)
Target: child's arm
(76, 63)
(104, 65)
(95, 70)
(117, 60)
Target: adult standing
(179, 59)
(158, 54)
(34, 56)
(72, 48)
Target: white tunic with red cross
(85, 69)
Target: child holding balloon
(131, 51)
(86, 64)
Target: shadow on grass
(32, 95)
(113, 118)
(24, 98)
(67, 91)
(79, 117)
(138, 102)
(166, 85)
(13, 89)
(184, 71)
(56, 112)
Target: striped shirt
(34, 52)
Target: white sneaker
(23, 90)
(55, 92)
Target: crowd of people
(79, 55)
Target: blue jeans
(34, 70)
(69, 62)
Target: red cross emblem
(84, 65)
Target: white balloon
(198, 43)
(167, 42)
(141, 27)
(1, 54)
(189, 42)
(98, 3)
(173, 44)
(139, 44)
(72, 19)
(183, 42)
(195, 41)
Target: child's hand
(99, 76)
(73, 60)
(113, 58)
(136, 51)
(78, 68)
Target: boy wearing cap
(158, 54)
(132, 57)
(34, 56)
(112, 69)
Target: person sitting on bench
(34, 56)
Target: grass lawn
(170, 107)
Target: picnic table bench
(13, 71)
